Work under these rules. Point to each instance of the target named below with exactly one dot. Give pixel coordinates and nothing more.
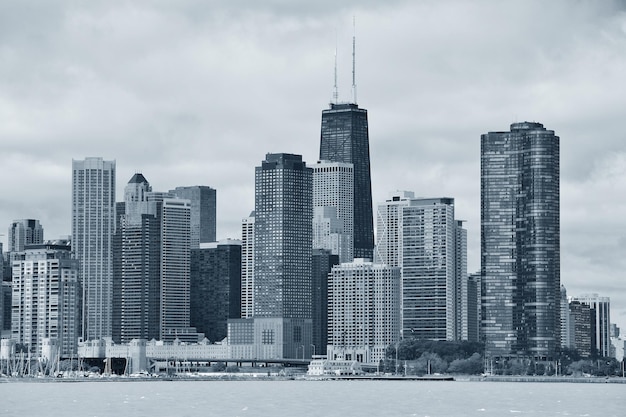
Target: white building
(333, 205)
(24, 232)
(247, 267)
(421, 236)
(363, 311)
(46, 298)
(93, 225)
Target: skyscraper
(345, 138)
(520, 249)
(323, 261)
(363, 310)
(137, 249)
(281, 326)
(24, 232)
(93, 225)
(247, 267)
(215, 287)
(46, 298)
(421, 236)
(600, 311)
(203, 212)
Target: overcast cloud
(196, 92)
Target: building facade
(333, 208)
(422, 237)
(520, 242)
(600, 310)
(203, 217)
(363, 311)
(215, 287)
(93, 225)
(24, 232)
(323, 261)
(46, 298)
(345, 138)
(247, 267)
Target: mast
(354, 59)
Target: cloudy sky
(196, 92)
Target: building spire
(335, 89)
(354, 59)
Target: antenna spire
(335, 89)
(353, 59)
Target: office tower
(323, 261)
(363, 310)
(567, 338)
(175, 268)
(247, 267)
(24, 232)
(93, 225)
(421, 236)
(581, 316)
(473, 307)
(137, 249)
(520, 242)
(282, 251)
(333, 208)
(215, 287)
(203, 212)
(46, 298)
(600, 308)
(460, 296)
(345, 138)
(388, 217)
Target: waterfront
(311, 398)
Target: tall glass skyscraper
(520, 244)
(345, 138)
(93, 225)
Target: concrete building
(422, 237)
(203, 214)
(333, 208)
(600, 310)
(215, 287)
(93, 225)
(581, 318)
(363, 311)
(281, 326)
(46, 298)
(247, 267)
(24, 232)
(473, 307)
(520, 242)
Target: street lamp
(313, 349)
(302, 346)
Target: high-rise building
(581, 316)
(46, 298)
(333, 208)
(363, 311)
(567, 335)
(600, 308)
(24, 232)
(203, 212)
(421, 236)
(247, 267)
(345, 138)
(175, 269)
(215, 287)
(520, 249)
(281, 326)
(323, 261)
(93, 225)
(136, 266)
(473, 307)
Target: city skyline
(421, 74)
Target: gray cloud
(197, 92)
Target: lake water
(311, 398)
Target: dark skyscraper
(215, 287)
(520, 243)
(345, 138)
